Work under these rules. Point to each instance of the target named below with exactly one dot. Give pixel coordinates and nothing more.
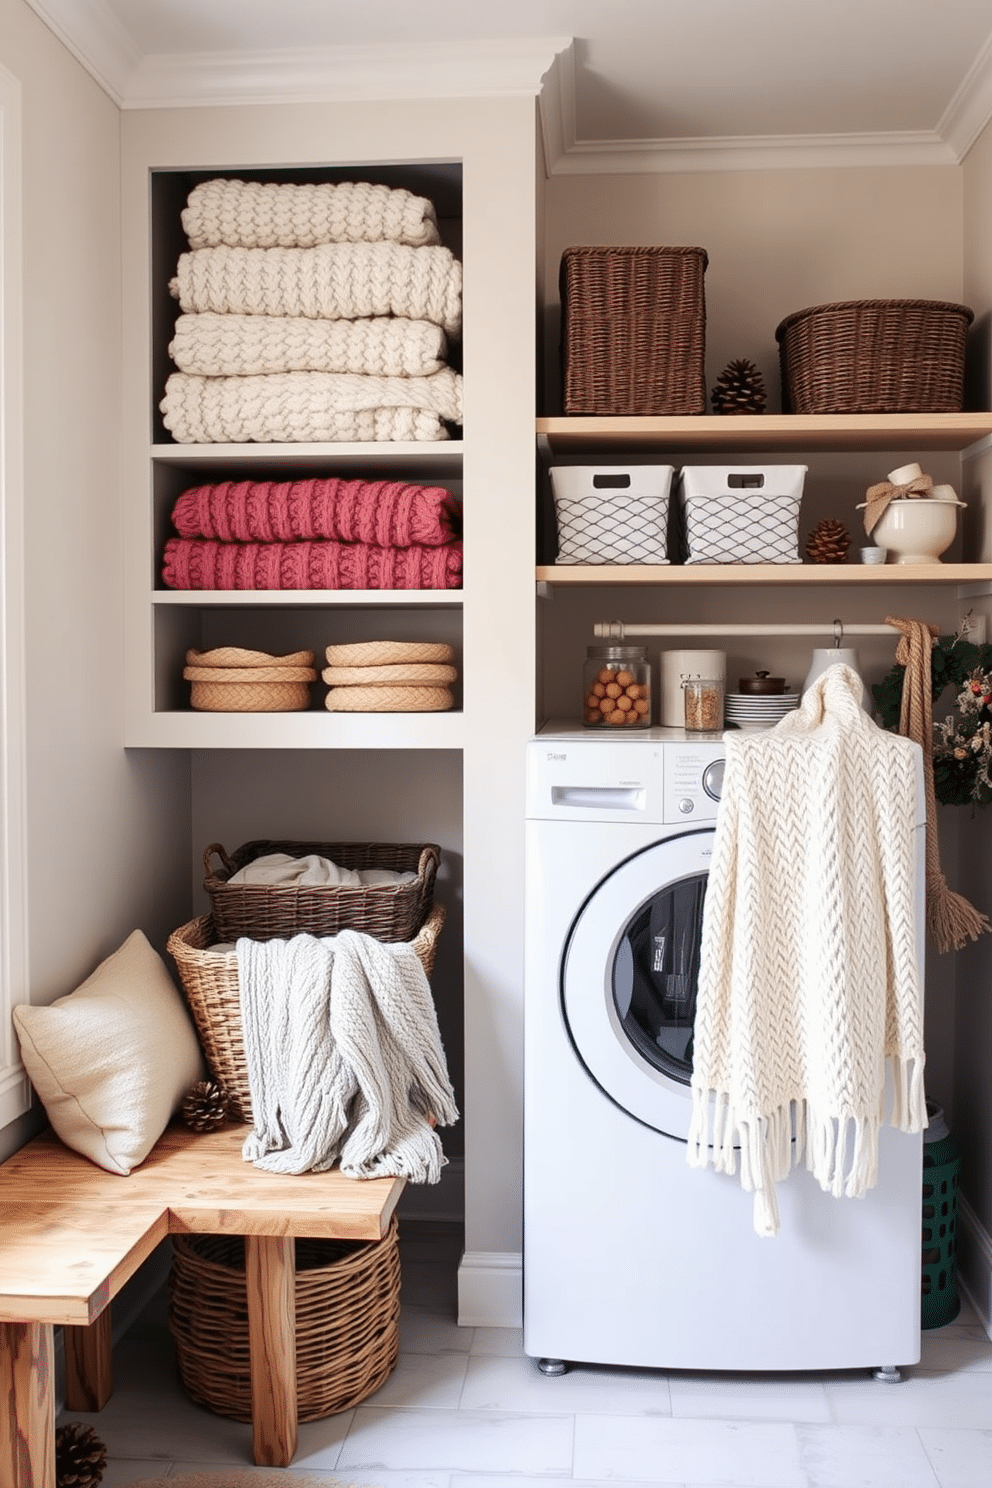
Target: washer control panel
(693, 780)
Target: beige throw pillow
(112, 1061)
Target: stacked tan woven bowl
(390, 677)
(232, 680)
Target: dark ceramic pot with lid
(762, 685)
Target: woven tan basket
(874, 356)
(210, 984)
(237, 656)
(386, 653)
(263, 911)
(380, 699)
(633, 330)
(249, 697)
(228, 676)
(347, 1321)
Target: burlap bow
(878, 497)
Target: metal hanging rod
(618, 630)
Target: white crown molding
(970, 110)
(95, 37)
(967, 115)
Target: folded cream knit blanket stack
(319, 533)
(313, 312)
(809, 984)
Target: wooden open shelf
(762, 574)
(777, 432)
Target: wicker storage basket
(347, 1321)
(210, 983)
(265, 912)
(633, 330)
(874, 356)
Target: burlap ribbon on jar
(951, 919)
(878, 497)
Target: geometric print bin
(742, 514)
(940, 1303)
(612, 514)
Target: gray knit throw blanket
(344, 1058)
(809, 983)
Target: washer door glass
(628, 978)
(655, 970)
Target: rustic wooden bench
(72, 1234)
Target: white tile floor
(465, 1409)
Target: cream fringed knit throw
(808, 979)
(951, 919)
(344, 1057)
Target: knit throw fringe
(387, 514)
(192, 564)
(809, 983)
(951, 919)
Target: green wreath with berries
(962, 742)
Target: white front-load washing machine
(631, 1257)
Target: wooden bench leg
(27, 1405)
(270, 1272)
(89, 1380)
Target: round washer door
(628, 979)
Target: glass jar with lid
(616, 682)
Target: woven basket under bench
(270, 912)
(347, 1321)
(210, 983)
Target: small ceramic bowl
(872, 555)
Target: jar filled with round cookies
(616, 684)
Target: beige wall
(100, 824)
(777, 241)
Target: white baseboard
(442, 1203)
(490, 1289)
(974, 1258)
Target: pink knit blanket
(388, 514)
(194, 564)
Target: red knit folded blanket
(384, 513)
(193, 564)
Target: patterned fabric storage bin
(612, 513)
(741, 513)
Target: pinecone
(739, 389)
(828, 542)
(80, 1456)
(204, 1107)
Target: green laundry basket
(941, 1169)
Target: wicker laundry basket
(347, 1321)
(265, 911)
(210, 983)
(633, 335)
(874, 356)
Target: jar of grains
(703, 704)
(616, 687)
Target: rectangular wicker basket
(210, 984)
(874, 356)
(633, 334)
(266, 912)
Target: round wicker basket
(249, 697)
(237, 656)
(227, 676)
(210, 983)
(398, 674)
(347, 1321)
(403, 699)
(388, 653)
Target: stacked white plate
(758, 710)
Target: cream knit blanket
(210, 345)
(257, 214)
(808, 981)
(344, 1058)
(310, 407)
(349, 281)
